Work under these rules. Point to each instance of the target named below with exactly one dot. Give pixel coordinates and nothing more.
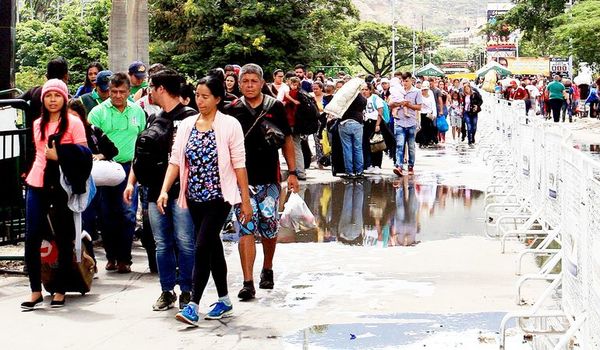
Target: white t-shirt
(283, 89)
(373, 104)
(533, 91)
(428, 105)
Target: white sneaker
(377, 170)
(369, 170)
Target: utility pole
(422, 41)
(8, 9)
(414, 49)
(393, 37)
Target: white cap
(385, 80)
(425, 85)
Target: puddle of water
(396, 330)
(388, 212)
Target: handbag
(377, 143)
(107, 173)
(274, 137)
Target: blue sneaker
(188, 315)
(219, 311)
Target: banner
(560, 66)
(528, 65)
(501, 43)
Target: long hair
(236, 87)
(96, 65)
(63, 123)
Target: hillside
(441, 16)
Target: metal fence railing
(546, 194)
(14, 144)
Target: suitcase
(80, 275)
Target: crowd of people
(198, 156)
(558, 98)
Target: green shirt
(122, 128)
(135, 89)
(555, 90)
(90, 100)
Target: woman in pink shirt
(209, 157)
(54, 127)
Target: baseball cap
(425, 85)
(138, 69)
(103, 80)
(385, 80)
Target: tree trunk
(128, 34)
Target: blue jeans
(351, 135)
(351, 222)
(471, 120)
(173, 232)
(118, 220)
(403, 136)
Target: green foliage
(577, 31)
(197, 35)
(449, 54)
(373, 41)
(534, 19)
(80, 35)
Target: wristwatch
(293, 172)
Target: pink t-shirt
(75, 133)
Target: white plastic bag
(296, 214)
(107, 173)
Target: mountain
(439, 16)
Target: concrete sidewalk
(315, 284)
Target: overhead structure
(500, 69)
(429, 70)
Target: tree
(534, 19)
(374, 43)
(80, 39)
(577, 31)
(194, 36)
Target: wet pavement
(339, 290)
(398, 330)
(387, 211)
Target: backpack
(307, 115)
(152, 150)
(386, 110)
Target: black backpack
(152, 150)
(307, 115)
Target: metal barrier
(14, 140)
(545, 193)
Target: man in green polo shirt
(137, 76)
(100, 93)
(556, 97)
(122, 121)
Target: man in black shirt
(174, 231)
(262, 165)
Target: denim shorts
(265, 215)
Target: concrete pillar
(8, 16)
(128, 35)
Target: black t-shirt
(262, 163)
(356, 109)
(177, 114)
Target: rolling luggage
(80, 275)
